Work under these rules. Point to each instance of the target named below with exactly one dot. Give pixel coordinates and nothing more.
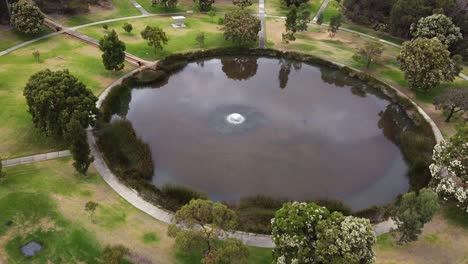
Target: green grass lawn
(277, 8)
(374, 33)
(45, 202)
(180, 40)
(186, 5)
(119, 8)
(10, 37)
(332, 9)
(17, 133)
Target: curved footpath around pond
(165, 216)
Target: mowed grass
(180, 39)
(442, 241)
(17, 133)
(277, 8)
(9, 37)
(116, 9)
(45, 202)
(189, 5)
(333, 9)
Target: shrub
(334, 206)
(178, 195)
(128, 155)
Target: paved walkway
(35, 158)
(320, 11)
(139, 7)
(261, 15)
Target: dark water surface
(309, 132)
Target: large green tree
(426, 63)
(54, 98)
(156, 37)
(405, 13)
(296, 3)
(26, 18)
(113, 49)
(307, 233)
(241, 27)
(242, 3)
(437, 26)
(204, 5)
(452, 101)
(165, 3)
(205, 222)
(79, 146)
(414, 211)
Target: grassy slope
(180, 40)
(444, 240)
(10, 38)
(17, 133)
(119, 8)
(50, 195)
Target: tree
(320, 19)
(290, 26)
(450, 168)
(452, 101)
(211, 14)
(335, 24)
(156, 37)
(165, 3)
(425, 63)
(206, 221)
(404, 13)
(437, 26)
(2, 173)
(54, 98)
(79, 147)
(296, 3)
(37, 56)
(241, 27)
(370, 52)
(242, 3)
(204, 5)
(308, 233)
(91, 208)
(127, 27)
(200, 39)
(114, 254)
(303, 18)
(113, 49)
(345, 240)
(294, 232)
(413, 212)
(26, 18)
(291, 20)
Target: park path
(35, 158)
(261, 15)
(320, 11)
(139, 7)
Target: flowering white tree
(450, 169)
(345, 240)
(438, 26)
(307, 233)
